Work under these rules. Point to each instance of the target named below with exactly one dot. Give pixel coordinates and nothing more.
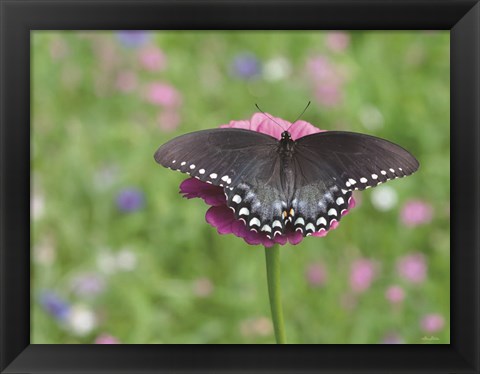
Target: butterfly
(271, 184)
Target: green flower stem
(272, 256)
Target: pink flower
(126, 81)
(327, 79)
(337, 41)
(152, 58)
(416, 212)
(395, 294)
(316, 274)
(203, 287)
(106, 339)
(362, 273)
(220, 216)
(412, 268)
(169, 120)
(432, 323)
(163, 94)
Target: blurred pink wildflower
(152, 58)
(106, 339)
(362, 273)
(203, 287)
(168, 120)
(220, 216)
(327, 80)
(337, 41)
(416, 212)
(126, 81)
(395, 294)
(163, 94)
(316, 274)
(432, 322)
(412, 268)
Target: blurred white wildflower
(44, 252)
(384, 198)
(109, 262)
(371, 117)
(81, 320)
(277, 68)
(37, 205)
(126, 260)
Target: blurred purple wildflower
(220, 216)
(152, 58)
(395, 294)
(89, 284)
(246, 66)
(54, 305)
(362, 273)
(412, 267)
(133, 38)
(432, 322)
(130, 200)
(106, 339)
(416, 212)
(337, 41)
(392, 338)
(316, 274)
(163, 94)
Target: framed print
(293, 126)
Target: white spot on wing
(363, 180)
(213, 175)
(374, 176)
(225, 178)
(340, 201)
(244, 212)
(276, 223)
(237, 199)
(192, 166)
(393, 171)
(202, 171)
(310, 227)
(332, 212)
(321, 221)
(266, 228)
(254, 221)
(299, 221)
(183, 163)
(352, 181)
(383, 172)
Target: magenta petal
(220, 217)
(280, 239)
(294, 237)
(321, 233)
(212, 195)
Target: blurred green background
(118, 256)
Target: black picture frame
(19, 17)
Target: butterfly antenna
(301, 114)
(268, 116)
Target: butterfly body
(277, 185)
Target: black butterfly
(272, 183)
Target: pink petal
(212, 195)
(302, 128)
